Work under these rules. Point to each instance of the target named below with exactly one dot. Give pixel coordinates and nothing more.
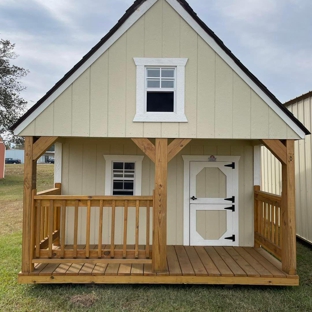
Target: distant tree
(12, 106)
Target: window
(123, 178)
(123, 175)
(160, 90)
(160, 87)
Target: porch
(185, 265)
(123, 239)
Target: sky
(272, 38)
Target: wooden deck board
(254, 263)
(186, 265)
(197, 265)
(250, 271)
(207, 262)
(220, 264)
(173, 262)
(267, 264)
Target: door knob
(193, 198)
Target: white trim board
(140, 11)
(186, 193)
(128, 23)
(58, 160)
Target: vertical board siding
(99, 97)
(102, 101)
(84, 174)
(271, 171)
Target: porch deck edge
(159, 279)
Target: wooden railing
(71, 228)
(268, 221)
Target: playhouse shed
(157, 133)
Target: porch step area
(185, 265)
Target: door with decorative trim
(213, 203)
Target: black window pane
(118, 185)
(129, 166)
(160, 102)
(118, 165)
(128, 185)
(127, 193)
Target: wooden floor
(186, 265)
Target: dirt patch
(84, 301)
(10, 216)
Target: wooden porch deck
(185, 265)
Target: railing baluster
(113, 229)
(100, 229)
(124, 251)
(51, 216)
(46, 223)
(38, 228)
(76, 216)
(137, 221)
(148, 217)
(88, 229)
(272, 223)
(63, 224)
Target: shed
(158, 132)
(271, 172)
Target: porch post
(160, 207)
(30, 167)
(288, 219)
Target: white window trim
(178, 115)
(109, 159)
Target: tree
(12, 106)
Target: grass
(14, 297)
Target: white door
(213, 203)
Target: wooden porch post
(160, 207)
(30, 167)
(288, 219)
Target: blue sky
(272, 38)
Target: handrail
(268, 221)
(54, 213)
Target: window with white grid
(123, 175)
(123, 178)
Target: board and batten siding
(271, 170)
(102, 101)
(84, 174)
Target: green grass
(14, 297)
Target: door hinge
(231, 238)
(232, 165)
(231, 208)
(232, 199)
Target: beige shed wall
(84, 174)
(271, 171)
(102, 101)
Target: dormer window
(160, 90)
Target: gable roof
(126, 21)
